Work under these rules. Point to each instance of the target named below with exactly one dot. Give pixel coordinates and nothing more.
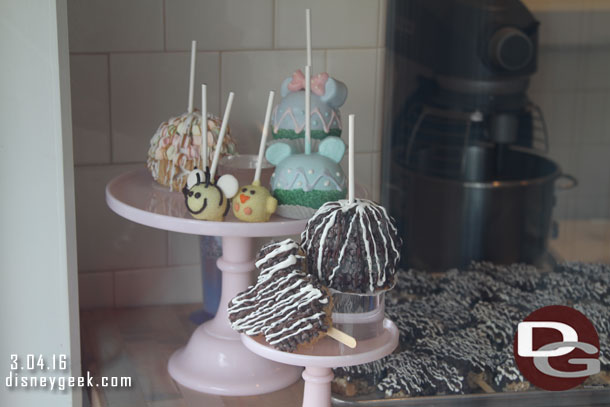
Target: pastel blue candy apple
(308, 179)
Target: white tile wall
(334, 24)
(175, 285)
(251, 74)
(355, 68)
(115, 25)
(182, 249)
(147, 89)
(105, 240)
(219, 25)
(91, 108)
(573, 88)
(130, 65)
(96, 289)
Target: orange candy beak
(243, 198)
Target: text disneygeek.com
(22, 375)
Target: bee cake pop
(175, 148)
(207, 198)
(255, 203)
(352, 245)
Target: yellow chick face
(206, 200)
(254, 203)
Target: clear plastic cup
(358, 315)
(243, 167)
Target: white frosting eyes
(194, 178)
(229, 185)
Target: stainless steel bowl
(486, 212)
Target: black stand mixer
(463, 174)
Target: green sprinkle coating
(312, 199)
(315, 134)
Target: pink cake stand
(214, 360)
(325, 355)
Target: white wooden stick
(307, 109)
(221, 135)
(351, 158)
(342, 337)
(261, 148)
(308, 24)
(192, 76)
(483, 385)
(204, 126)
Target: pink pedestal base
(324, 355)
(223, 366)
(214, 360)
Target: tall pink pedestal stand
(214, 360)
(325, 355)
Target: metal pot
(448, 222)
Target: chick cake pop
(206, 198)
(175, 148)
(255, 202)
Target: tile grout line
(234, 50)
(378, 21)
(113, 164)
(164, 22)
(273, 28)
(375, 120)
(114, 288)
(219, 100)
(110, 144)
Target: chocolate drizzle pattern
(508, 377)
(415, 374)
(285, 305)
(352, 247)
(466, 321)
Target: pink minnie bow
(318, 82)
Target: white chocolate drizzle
(370, 227)
(178, 142)
(285, 305)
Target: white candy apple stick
(192, 76)
(221, 135)
(204, 127)
(308, 24)
(261, 149)
(342, 337)
(307, 109)
(350, 146)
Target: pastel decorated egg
(327, 96)
(308, 180)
